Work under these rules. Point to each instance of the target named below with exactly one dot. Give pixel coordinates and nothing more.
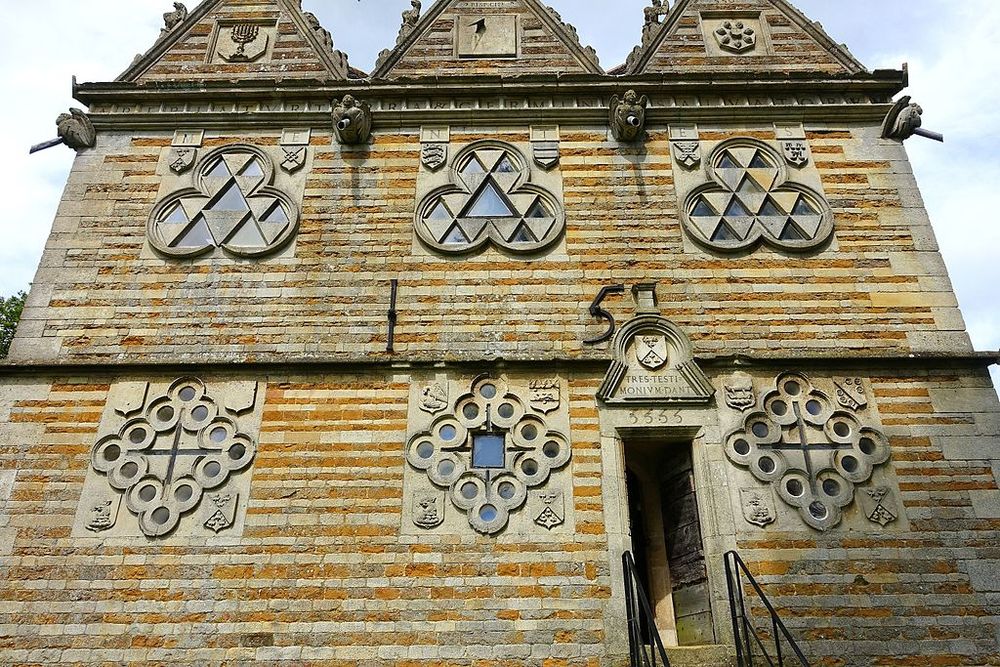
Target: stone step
(702, 656)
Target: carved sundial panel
(172, 459)
(488, 456)
(236, 200)
(486, 36)
(817, 449)
(492, 195)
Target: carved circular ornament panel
(233, 206)
(165, 459)
(490, 200)
(811, 452)
(488, 453)
(751, 200)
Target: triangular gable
(510, 37)
(702, 35)
(229, 39)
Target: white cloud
(950, 47)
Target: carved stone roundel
(750, 200)
(519, 452)
(490, 200)
(812, 453)
(168, 457)
(233, 206)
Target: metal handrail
(641, 621)
(743, 628)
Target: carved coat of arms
(428, 510)
(553, 509)
(294, 158)
(687, 153)
(434, 398)
(544, 395)
(740, 396)
(434, 155)
(182, 159)
(757, 506)
(879, 505)
(796, 151)
(651, 351)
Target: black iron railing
(645, 647)
(753, 644)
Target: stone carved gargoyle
(628, 116)
(904, 121)
(352, 119)
(173, 19)
(76, 130)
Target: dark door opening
(667, 540)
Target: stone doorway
(666, 538)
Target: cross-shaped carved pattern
(232, 206)
(751, 201)
(488, 452)
(164, 460)
(491, 200)
(811, 452)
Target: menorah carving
(243, 34)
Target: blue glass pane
(488, 451)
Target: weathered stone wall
(101, 293)
(322, 573)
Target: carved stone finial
(173, 19)
(410, 19)
(904, 120)
(571, 30)
(76, 130)
(324, 35)
(652, 19)
(352, 119)
(628, 116)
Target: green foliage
(10, 313)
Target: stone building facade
(327, 367)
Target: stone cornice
(310, 366)
(578, 98)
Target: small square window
(488, 450)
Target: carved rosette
(812, 453)
(487, 453)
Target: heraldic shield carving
(654, 363)
(174, 452)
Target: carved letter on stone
(687, 153)
(352, 119)
(553, 511)
(740, 396)
(182, 159)
(851, 393)
(628, 116)
(757, 506)
(879, 505)
(796, 151)
(544, 395)
(428, 510)
(434, 398)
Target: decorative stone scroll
(173, 459)
(654, 362)
(810, 451)
(749, 199)
(491, 195)
(233, 206)
(484, 455)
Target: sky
(43, 43)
